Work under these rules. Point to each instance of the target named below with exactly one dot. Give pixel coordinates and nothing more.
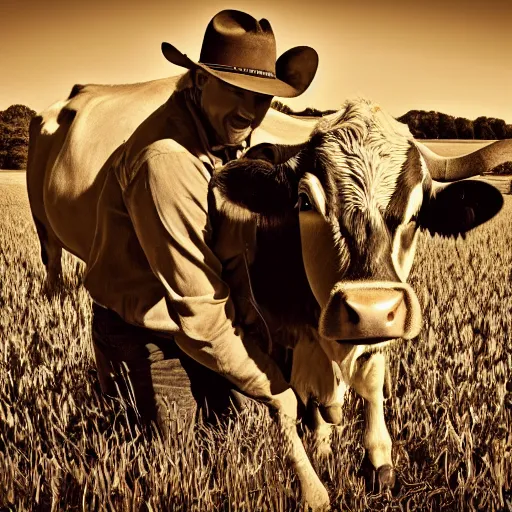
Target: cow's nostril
(353, 317)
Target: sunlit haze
(453, 57)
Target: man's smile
(240, 122)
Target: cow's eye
(304, 203)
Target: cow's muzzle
(370, 312)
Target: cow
(338, 219)
(337, 207)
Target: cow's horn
(275, 153)
(443, 168)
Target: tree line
(430, 124)
(14, 126)
(436, 125)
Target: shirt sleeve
(167, 201)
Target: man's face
(232, 112)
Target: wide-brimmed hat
(241, 51)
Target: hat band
(244, 71)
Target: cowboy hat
(241, 51)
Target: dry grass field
(63, 447)
(455, 147)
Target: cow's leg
(313, 491)
(40, 149)
(368, 382)
(322, 431)
(51, 255)
(54, 267)
(318, 382)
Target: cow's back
(72, 141)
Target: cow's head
(361, 187)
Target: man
(163, 319)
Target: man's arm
(167, 202)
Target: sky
(451, 56)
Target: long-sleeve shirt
(155, 260)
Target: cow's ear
(275, 153)
(255, 184)
(455, 208)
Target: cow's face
(361, 190)
(358, 203)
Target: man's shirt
(152, 259)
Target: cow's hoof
(318, 507)
(387, 477)
(317, 500)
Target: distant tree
(464, 128)
(281, 107)
(508, 131)
(422, 124)
(5, 132)
(17, 157)
(431, 124)
(14, 126)
(483, 129)
(412, 120)
(498, 126)
(309, 112)
(17, 114)
(13, 146)
(446, 128)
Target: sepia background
(450, 56)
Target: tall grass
(64, 447)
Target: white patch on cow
(368, 383)
(293, 162)
(437, 186)
(317, 240)
(50, 124)
(313, 373)
(424, 168)
(415, 201)
(231, 210)
(403, 257)
(390, 124)
(404, 247)
(345, 355)
(318, 254)
(342, 387)
(312, 187)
